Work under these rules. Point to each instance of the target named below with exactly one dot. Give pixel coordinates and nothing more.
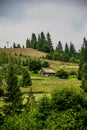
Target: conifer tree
(49, 41)
(33, 41)
(13, 93)
(28, 43)
(42, 41)
(59, 47)
(83, 57)
(66, 49)
(84, 77)
(26, 80)
(72, 49)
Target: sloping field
(24, 51)
(55, 65)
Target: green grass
(49, 84)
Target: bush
(62, 74)
(73, 73)
(45, 64)
(67, 99)
(34, 65)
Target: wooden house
(47, 72)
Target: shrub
(67, 99)
(73, 72)
(62, 74)
(45, 64)
(34, 65)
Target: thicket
(66, 109)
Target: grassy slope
(55, 65)
(24, 51)
(47, 84)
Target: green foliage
(34, 65)
(13, 94)
(25, 121)
(73, 73)
(44, 109)
(33, 41)
(67, 99)
(59, 47)
(26, 80)
(62, 74)
(45, 64)
(83, 58)
(84, 77)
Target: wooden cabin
(47, 72)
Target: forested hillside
(30, 101)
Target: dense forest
(64, 108)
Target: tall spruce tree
(33, 41)
(66, 49)
(59, 47)
(72, 49)
(84, 77)
(49, 41)
(13, 96)
(83, 57)
(28, 43)
(43, 41)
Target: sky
(65, 20)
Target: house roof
(48, 70)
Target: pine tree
(39, 45)
(59, 47)
(72, 49)
(14, 45)
(33, 41)
(84, 77)
(26, 80)
(83, 57)
(28, 43)
(13, 94)
(43, 41)
(49, 41)
(66, 49)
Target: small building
(47, 72)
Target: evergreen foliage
(62, 74)
(26, 80)
(84, 77)
(83, 57)
(59, 47)
(13, 94)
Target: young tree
(26, 80)
(13, 94)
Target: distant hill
(55, 65)
(24, 51)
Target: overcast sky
(65, 20)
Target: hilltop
(24, 51)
